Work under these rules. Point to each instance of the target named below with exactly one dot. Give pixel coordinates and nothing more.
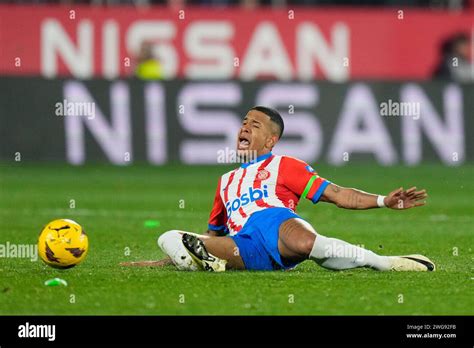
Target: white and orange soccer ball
(63, 244)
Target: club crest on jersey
(249, 197)
(263, 174)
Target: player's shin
(172, 245)
(336, 254)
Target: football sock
(171, 244)
(336, 254)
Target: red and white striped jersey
(269, 181)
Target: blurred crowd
(456, 61)
(447, 4)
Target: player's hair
(274, 116)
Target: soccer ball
(63, 244)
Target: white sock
(172, 245)
(336, 254)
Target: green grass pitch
(112, 204)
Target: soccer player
(253, 224)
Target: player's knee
(167, 236)
(305, 245)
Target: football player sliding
(253, 224)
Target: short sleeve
(301, 179)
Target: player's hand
(405, 199)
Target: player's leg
(197, 252)
(226, 249)
(298, 241)
(295, 239)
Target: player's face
(257, 135)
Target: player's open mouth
(244, 143)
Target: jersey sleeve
(301, 179)
(218, 216)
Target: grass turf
(112, 204)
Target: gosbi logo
(249, 197)
(263, 174)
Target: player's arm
(350, 198)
